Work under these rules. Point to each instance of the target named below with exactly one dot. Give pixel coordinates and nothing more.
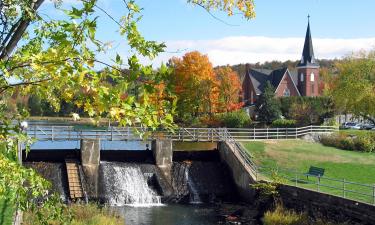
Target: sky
(339, 27)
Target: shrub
(346, 143)
(361, 142)
(235, 119)
(281, 216)
(364, 143)
(331, 122)
(283, 123)
(90, 214)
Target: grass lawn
(298, 155)
(357, 132)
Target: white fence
(56, 133)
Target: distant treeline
(272, 65)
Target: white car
(351, 125)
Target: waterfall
(194, 195)
(127, 185)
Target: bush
(90, 214)
(284, 123)
(360, 142)
(365, 143)
(237, 119)
(281, 216)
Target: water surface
(174, 214)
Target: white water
(128, 186)
(194, 196)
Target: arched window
(301, 77)
(312, 77)
(286, 92)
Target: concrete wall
(163, 154)
(327, 206)
(241, 176)
(90, 159)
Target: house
(305, 81)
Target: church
(305, 81)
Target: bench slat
(315, 171)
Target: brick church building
(305, 81)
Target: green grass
(298, 155)
(357, 132)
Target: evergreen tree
(267, 106)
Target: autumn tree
(229, 89)
(57, 59)
(353, 87)
(195, 84)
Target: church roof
(308, 58)
(259, 77)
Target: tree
(229, 89)
(267, 106)
(353, 87)
(195, 83)
(35, 105)
(307, 110)
(60, 54)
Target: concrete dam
(166, 173)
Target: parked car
(367, 126)
(351, 125)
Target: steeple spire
(308, 58)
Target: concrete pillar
(90, 159)
(163, 153)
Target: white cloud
(243, 49)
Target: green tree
(35, 105)
(267, 106)
(56, 58)
(353, 87)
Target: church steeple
(308, 58)
(308, 68)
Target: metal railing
(246, 134)
(239, 150)
(181, 134)
(338, 187)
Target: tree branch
(4, 88)
(17, 35)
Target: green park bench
(315, 171)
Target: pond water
(178, 214)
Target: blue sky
(277, 32)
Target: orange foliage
(200, 89)
(229, 89)
(195, 83)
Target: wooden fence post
(254, 133)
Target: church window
(312, 77)
(301, 77)
(286, 92)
